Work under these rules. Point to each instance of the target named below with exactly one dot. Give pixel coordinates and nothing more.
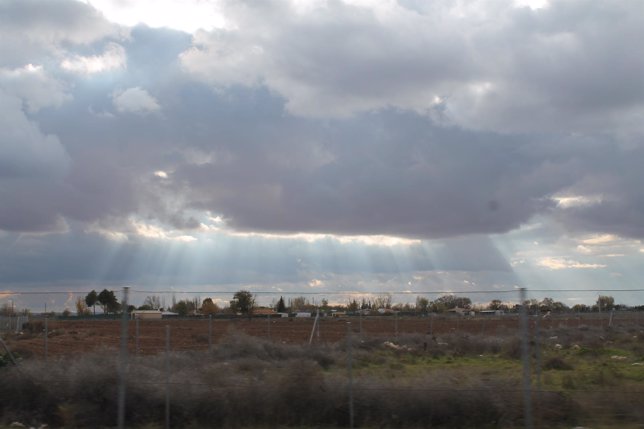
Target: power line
(328, 292)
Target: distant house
(147, 314)
(462, 311)
(491, 312)
(264, 312)
(303, 314)
(169, 314)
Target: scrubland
(582, 376)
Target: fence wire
(143, 341)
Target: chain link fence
(12, 323)
(169, 361)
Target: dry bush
(624, 406)
(249, 382)
(512, 348)
(557, 363)
(24, 399)
(473, 345)
(33, 327)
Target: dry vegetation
(589, 376)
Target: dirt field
(462, 347)
(71, 337)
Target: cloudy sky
(322, 146)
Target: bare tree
(154, 302)
(81, 307)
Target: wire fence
(133, 341)
(12, 323)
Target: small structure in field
(169, 315)
(461, 311)
(303, 314)
(491, 312)
(147, 314)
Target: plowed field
(71, 337)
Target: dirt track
(71, 337)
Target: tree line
(244, 302)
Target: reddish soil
(71, 337)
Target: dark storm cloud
(387, 173)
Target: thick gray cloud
(235, 153)
(33, 30)
(336, 59)
(34, 87)
(573, 66)
(388, 173)
(32, 167)
(429, 120)
(613, 176)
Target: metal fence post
(167, 376)
(525, 353)
(123, 361)
(210, 333)
(8, 352)
(350, 373)
(136, 322)
(46, 337)
(315, 324)
(396, 324)
(537, 346)
(431, 324)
